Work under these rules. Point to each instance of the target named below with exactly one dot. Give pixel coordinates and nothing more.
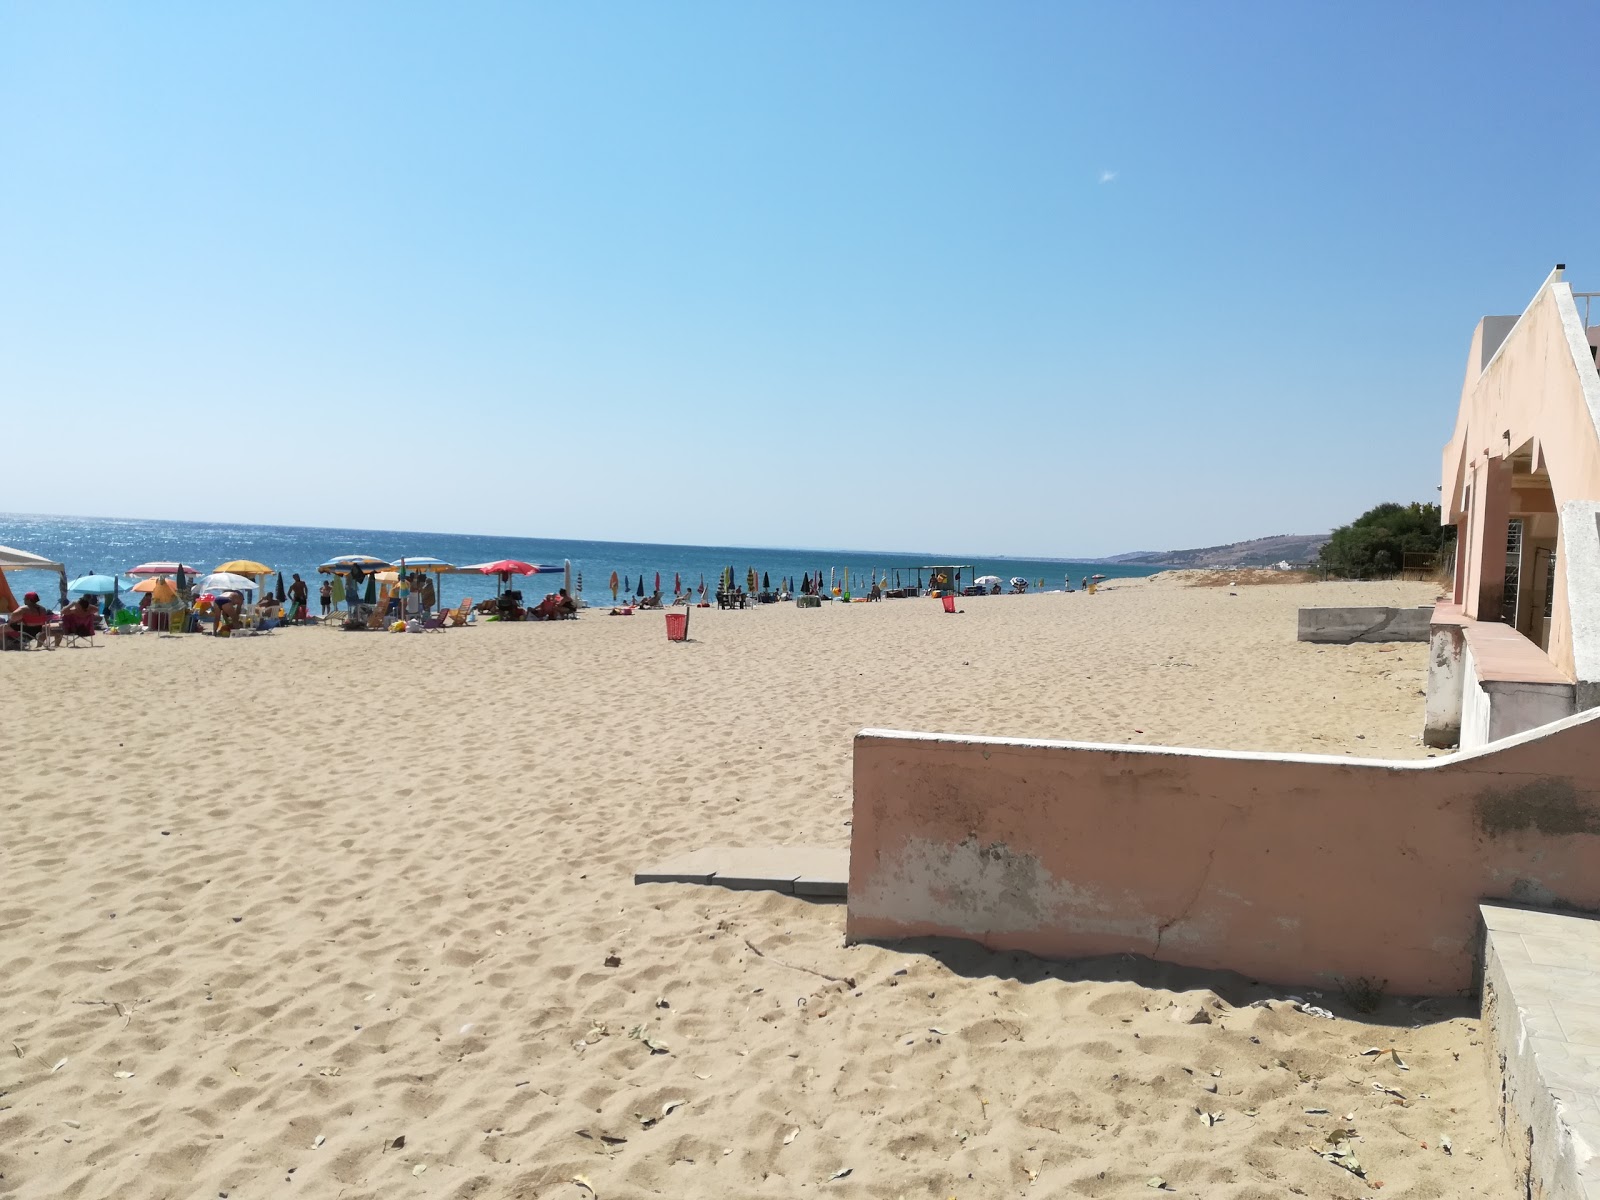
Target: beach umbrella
(97, 585)
(613, 587)
(509, 566)
(372, 591)
(766, 582)
(355, 564)
(641, 587)
(162, 568)
(658, 583)
(158, 587)
(423, 563)
(227, 581)
(677, 584)
(280, 592)
(243, 566)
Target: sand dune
(328, 914)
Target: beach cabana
(503, 569)
(20, 560)
(945, 578)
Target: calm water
(104, 545)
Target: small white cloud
(1107, 176)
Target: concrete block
(697, 866)
(829, 888)
(1543, 1026)
(1342, 626)
(799, 870)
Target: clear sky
(1031, 278)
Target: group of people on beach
(32, 622)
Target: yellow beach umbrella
(244, 566)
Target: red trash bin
(949, 603)
(678, 627)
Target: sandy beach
(329, 915)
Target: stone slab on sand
(801, 870)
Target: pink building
(1518, 645)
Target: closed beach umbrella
(677, 584)
(641, 587)
(766, 583)
(280, 592)
(372, 591)
(613, 587)
(658, 583)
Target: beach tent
(20, 560)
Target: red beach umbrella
(677, 584)
(162, 568)
(508, 566)
(658, 583)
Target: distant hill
(1258, 552)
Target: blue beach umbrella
(98, 585)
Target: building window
(1508, 602)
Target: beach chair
(379, 618)
(21, 637)
(74, 634)
(458, 616)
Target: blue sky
(1031, 278)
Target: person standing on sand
(298, 595)
(325, 594)
(428, 595)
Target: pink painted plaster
(1292, 870)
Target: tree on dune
(1377, 542)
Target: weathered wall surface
(1295, 870)
(1447, 648)
(1342, 626)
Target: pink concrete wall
(1292, 870)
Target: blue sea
(99, 545)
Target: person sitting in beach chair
(31, 625)
(79, 620)
(508, 606)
